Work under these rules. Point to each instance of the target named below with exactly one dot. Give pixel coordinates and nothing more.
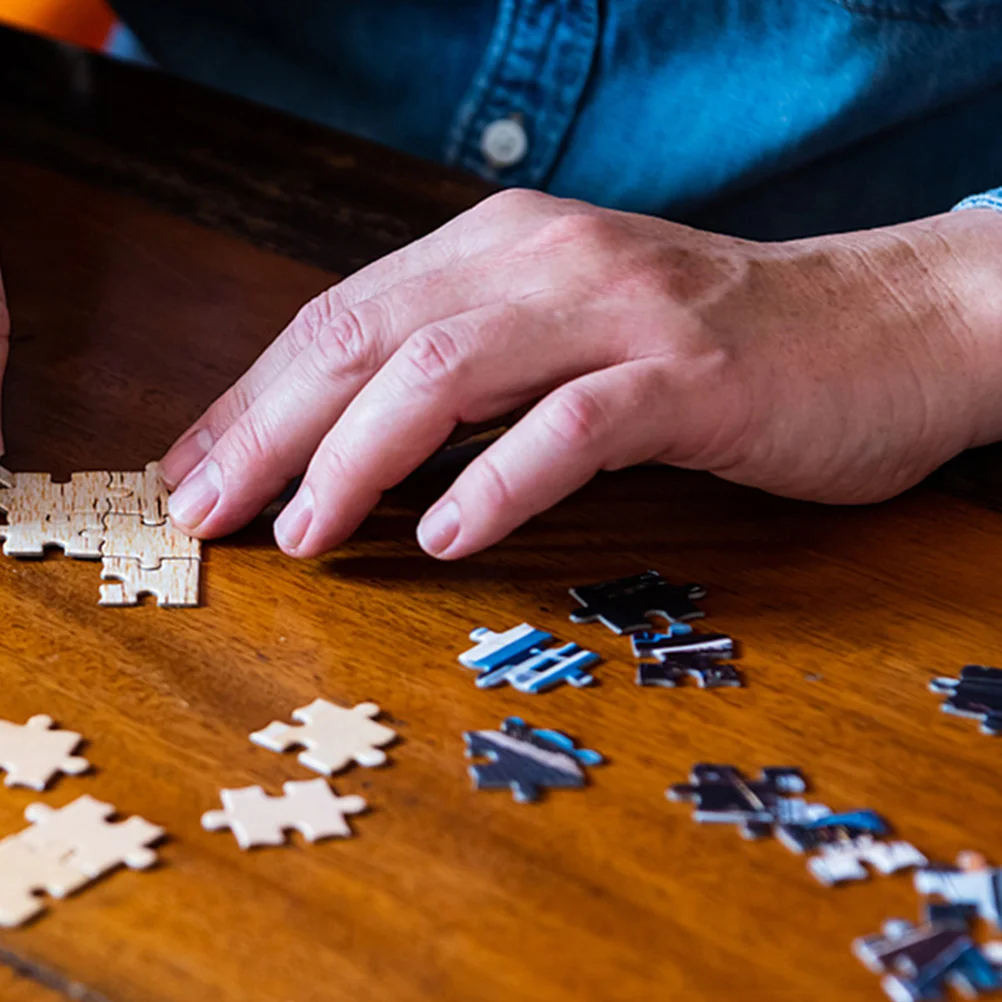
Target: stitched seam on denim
(977, 17)
(540, 77)
(987, 200)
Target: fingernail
(439, 528)
(185, 456)
(196, 496)
(291, 526)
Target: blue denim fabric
(770, 118)
(986, 200)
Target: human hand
(840, 369)
(4, 342)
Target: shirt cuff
(986, 200)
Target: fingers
(604, 420)
(4, 343)
(466, 368)
(503, 217)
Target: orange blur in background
(85, 22)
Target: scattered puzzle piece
(681, 653)
(332, 735)
(722, 794)
(623, 605)
(972, 883)
(517, 656)
(309, 807)
(25, 874)
(840, 862)
(527, 760)
(977, 694)
(832, 829)
(920, 962)
(173, 583)
(32, 753)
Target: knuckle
(328, 467)
(246, 444)
(345, 345)
(433, 355)
(515, 200)
(575, 417)
(318, 313)
(494, 491)
(584, 230)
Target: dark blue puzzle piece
(680, 653)
(977, 693)
(623, 605)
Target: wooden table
(154, 238)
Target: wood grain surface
(129, 320)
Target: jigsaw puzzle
(837, 863)
(722, 794)
(519, 657)
(920, 962)
(971, 884)
(527, 760)
(311, 807)
(332, 736)
(624, 605)
(118, 517)
(65, 849)
(680, 653)
(33, 753)
(977, 694)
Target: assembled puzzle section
(119, 518)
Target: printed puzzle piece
(527, 760)
(920, 962)
(517, 656)
(977, 694)
(722, 794)
(681, 653)
(34, 752)
(623, 605)
(173, 583)
(309, 807)
(832, 829)
(838, 863)
(81, 834)
(129, 536)
(972, 883)
(25, 874)
(332, 735)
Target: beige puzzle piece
(129, 536)
(78, 535)
(140, 493)
(332, 735)
(26, 874)
(311, 807)
(32, 753)
(173, 583)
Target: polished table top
(154, 238)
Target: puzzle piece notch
(311, 807)
(625, 604)
(919, 962)
(527, 760)
(971, 883)
(519, 657)
(681, 653)
(174, 583)
(977, 694)
(841, 862)
(78, 535)
(723, 795)
(33, 753)
(141, 493)
(332, 736)
(128, 536)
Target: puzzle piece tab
(141, 493)
(309, 807)
(32, 753)
(977, 694)
(332, 735)
(623, 605)
(722, 794)
(174, 583)
(527, 760)
(519, 656)
(972, 883)
(681, 653)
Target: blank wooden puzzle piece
(81, 835)
(141, 493)
(129, 536)
(79, 535)
(34, 752)
(332, 735)
(312, 808)
(173, 583)
(26, 874)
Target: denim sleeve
(986, 200)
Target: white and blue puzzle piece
(520, 657)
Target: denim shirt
(868, 110)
